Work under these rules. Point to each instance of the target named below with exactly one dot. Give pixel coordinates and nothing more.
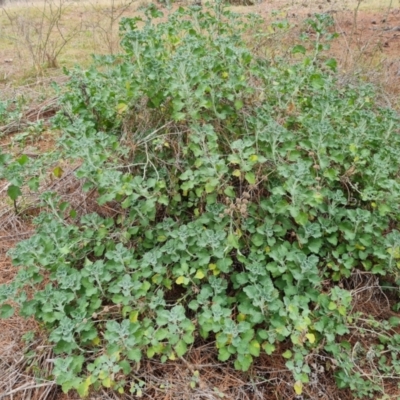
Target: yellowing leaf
(310, 337)
(253, 158)
(180, 280)
(318, 197)
(121, 108)
(172, 356)
(241, 317)
(107, 382)
(394, 252)
(353, 148)
(199, 274)
(254, 348)
(287, 354)
(57, 172)
(102, 375)
(237, 173)
(83, 388)
(96, 341)
(214, 269)
(298, 387)
(121, 390)
(133, 316)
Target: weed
(248, 189)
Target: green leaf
(181, 348)
(243, 362)
(224, 264)
(250, 178)
(178, 116)
(332, 306)
(314, 245)
(268, 348)
(229, 191)
(287, 354)
(331, 63)
(28, 308)
(301, 218)
(233, 241)
(342, 310)
(258, 239)
(14, 192)
(6, 311)
(23, 160)
(134, 354)
(384, 209)
(72, 383)
(238, 104)
(394, 322)
(223, 354)
(317, 81)
(331, 174)
(299, 49)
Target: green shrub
(247, 190)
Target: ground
(368, 46)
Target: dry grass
(366, 45)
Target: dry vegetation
(38, 39)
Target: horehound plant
(247, 192)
